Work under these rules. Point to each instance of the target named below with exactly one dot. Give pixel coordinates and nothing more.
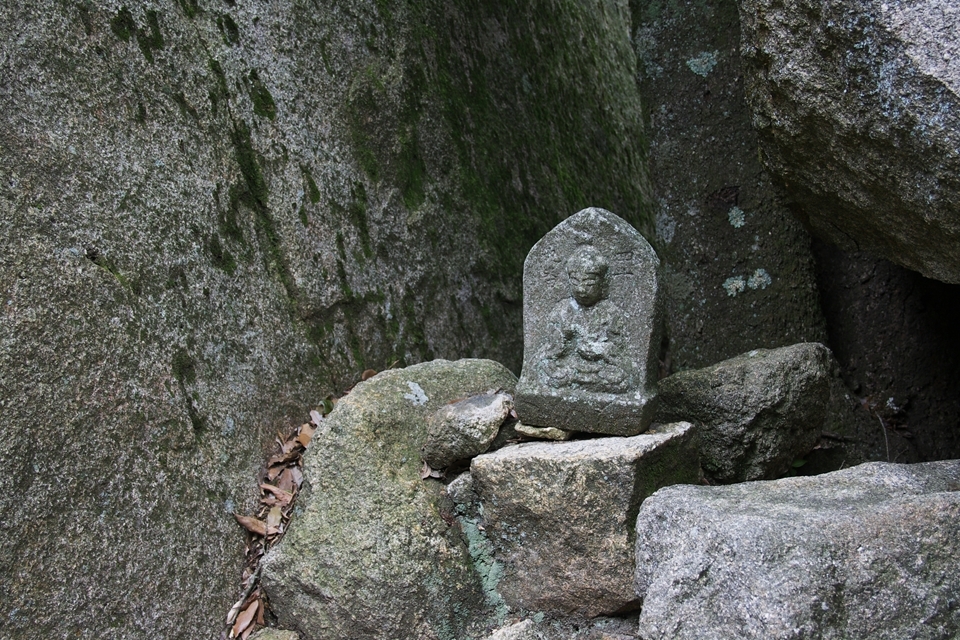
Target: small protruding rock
(543, 433)
(560, 515)
(523, 630)
(464, 429)
(758, 412)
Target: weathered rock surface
(757, 412)
(543, 433)
(372, 553)
(214, 214)
(621, 628)
(460, 430)
(857, 104)
(867, 552)
(560, 515)
(592, 322)
(275, 634)
(737, 269)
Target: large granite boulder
(864, 553)
(560, 515)
(757, 413)
(737, 269)
(372, 551)
(215, 213)
(857, 104)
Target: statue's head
(587, 271)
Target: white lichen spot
(666, 227)
(416, 395)
(704, 63)
(760, 279)
(737, 217)
(734, 285)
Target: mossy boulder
(375, 551)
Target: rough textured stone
(542, 433)
(721, 224)
(275, 634)
(758, 412)
(371, 553)
(539, 628)
(868, 552)
(857, 104)
(215, 213)
(523, 630)
(560, 514)
(592, 326)
(463, 429)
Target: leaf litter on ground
(279, 482)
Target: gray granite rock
(372, 551)
(857, 106)
(757, 413)
(560, 515)
(216, 213)
(737, 269)
(591, 319)
(523, 630)
(543, 433)
(867, 553)
(460, 430)
(541, 628)
(275, 634)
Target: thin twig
(886, 441)
(837, 437)
(235, 611)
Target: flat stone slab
(591, 324)
(560, 515)
(757, 412)
(864, 553)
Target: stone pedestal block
(561, 515)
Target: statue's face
(587, 287)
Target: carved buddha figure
(585, 347)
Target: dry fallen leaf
(315, 417)
(305, 435)
(274, 517)
(274, 471)
(284, 497)
(427, 472)
(252, 525)
(366, 375)
(245, 619)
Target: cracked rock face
(867, 552)
(857, 105)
